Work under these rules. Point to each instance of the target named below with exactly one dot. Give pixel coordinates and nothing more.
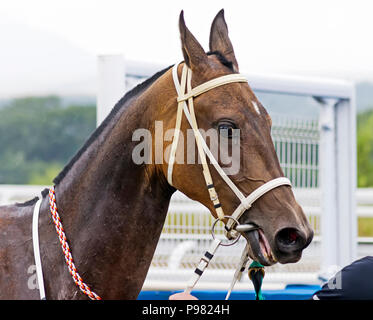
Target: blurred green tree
(38, 136)
(365, 149)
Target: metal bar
(295, 85)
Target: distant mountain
(35, 62)
(66, 101)
(3, 102)
(274, 103)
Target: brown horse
(113, 209)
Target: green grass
(365, 227)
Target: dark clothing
(353, 282)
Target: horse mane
(222, 59)
(130, 94)
(31, 202)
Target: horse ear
(219, 39)
(194, 55)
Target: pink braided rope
(66, 249)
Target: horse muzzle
(260, 249)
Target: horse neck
(112, 209)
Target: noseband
(185, 97)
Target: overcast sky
(47, 45)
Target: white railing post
(111, 83)
(346, 174)
(338, 181)
(327, 178)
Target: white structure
(338, 180)
(336, 167)
(110, 84)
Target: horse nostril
(289, 240)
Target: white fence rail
(186, 234)
(308, 198)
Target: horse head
(241, 122)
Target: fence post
(346, 168)
(338, 181)
(111, 83)
(328, 184)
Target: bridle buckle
(230, 242)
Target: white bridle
(185, 97)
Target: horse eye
(226, 130)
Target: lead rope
(66, 249)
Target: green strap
(256, 275)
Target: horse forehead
(237, 95)
(242, 102)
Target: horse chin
(259, 248)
